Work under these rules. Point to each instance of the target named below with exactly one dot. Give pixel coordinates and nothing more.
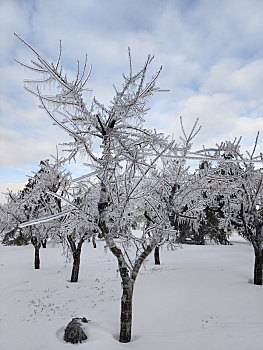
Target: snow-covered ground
(200, 298)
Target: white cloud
(230, 76)
(220, 118)
(26, 134)
(211, 53)
(16, 149)
(13, 17)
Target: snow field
(198, 298)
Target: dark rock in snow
(74, 333)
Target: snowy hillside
(199, 298)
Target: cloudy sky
(211, 52)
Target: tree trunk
(128, 277)
(127, 289)
(44, 243)
(258, 267)
(37, 255)
(76, 252)
(75, 267)
(157, 255)
(94, 242)
(126, 312)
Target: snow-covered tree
(170, 188)
(207, 222)
(9, 232)
(34, 202)
(239, 185)
(80, 224)
(129, 152)
(246, 213)
(128, 155)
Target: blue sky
(211, 52)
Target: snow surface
(201, 297)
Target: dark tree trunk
(76, 252)
(127, 293)
(128, 277)
(258, 266)
(128, 280)
(127, 290)
(37, 255)
(255, 240)
(126, 312)
(94, 243)
(44, 243)
(75, 267)
(37, 258)
(157, 255)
